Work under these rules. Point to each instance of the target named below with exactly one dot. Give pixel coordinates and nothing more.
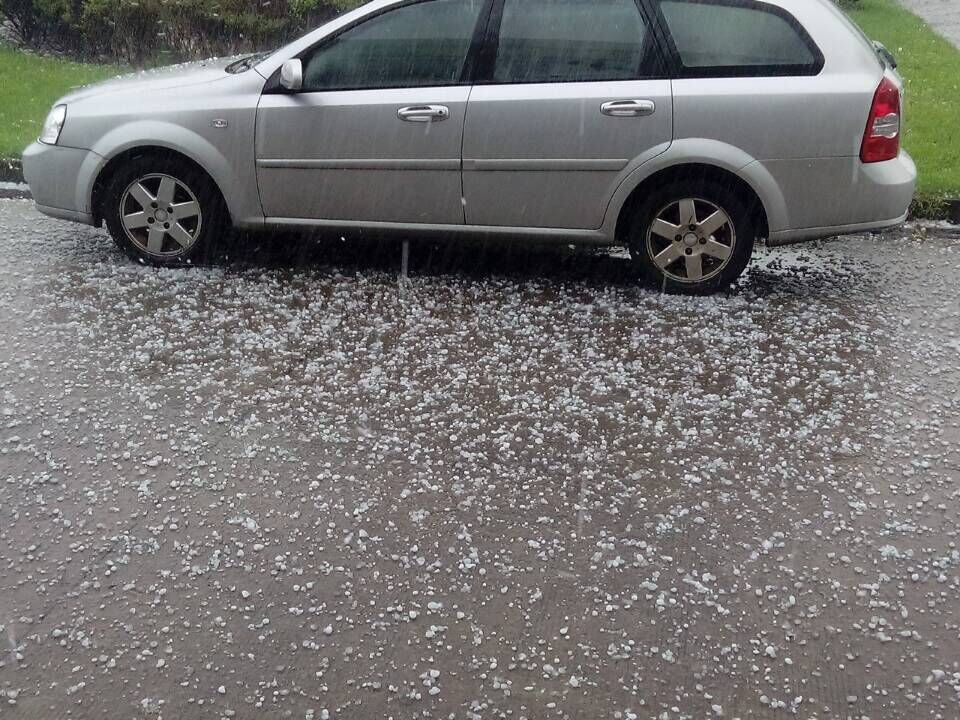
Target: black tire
(204, 230)
(643, 242)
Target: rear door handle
(628, 108)
(424, 113)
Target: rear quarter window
(738, 37)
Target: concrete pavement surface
(942, 15)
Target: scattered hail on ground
(523, 488)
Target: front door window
(420, 45)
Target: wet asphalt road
(525, 488)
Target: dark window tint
(569, 41)
(411, 46)
(734, 35)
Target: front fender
(698, 151)
(158, 133)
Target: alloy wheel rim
(160, 215)
(691, 240)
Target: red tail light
(881, 140)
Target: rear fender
(695, 151)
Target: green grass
(930, 66)
(29, 85)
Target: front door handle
(628, 108)
(424, 113)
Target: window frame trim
(487, 58)
(679, 71)
(273, 87)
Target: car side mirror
(291, 75)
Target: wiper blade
(244, 63)
(885, 54)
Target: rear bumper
(835, 196)
(787, 237)
(59, 178)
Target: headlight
(53, 125)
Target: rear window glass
(735, 35)
(569, 41)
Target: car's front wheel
(692, 237)
(162, 211)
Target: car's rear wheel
(692, 237)
(163, 211)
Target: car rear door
(376, 132)
(568, 94)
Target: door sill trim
(591, 237)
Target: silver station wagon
(686, 130)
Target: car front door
(375, 134)
(569, 93)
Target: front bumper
(60, 179)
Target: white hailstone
(328, 630)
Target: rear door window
(550, 41)
(738, 37)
